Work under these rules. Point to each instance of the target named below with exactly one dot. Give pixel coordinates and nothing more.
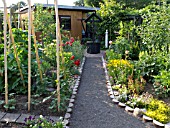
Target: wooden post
(58, 55)
(29, 55)
(14, 46)
(36, 51)
(5, 54)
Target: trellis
(31, 32)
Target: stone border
(135, 112)
(73, 97)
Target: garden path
(93, 107)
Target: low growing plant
(42, 122)
(159, 111)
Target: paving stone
(22, 118)
(9, 117)
(2, 114)
(72, 100)
(53, 118)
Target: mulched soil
(93, 107)
(40, 109)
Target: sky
(60, 2)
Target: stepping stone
(53, 118)
(66, 122)
(74, 93)
(115, 101)
(9, 117)
(112, 96)
(75, 90)
(22, 118)
(75, 87)
(129, 109)
(158, 124)
(72, 100)
(146, 118)
(122, 105)
(2, 114)
(73, 97)
(70, 105)
(69, 110)
(67, 115)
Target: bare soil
(150, 89)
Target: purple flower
(30, 117)
(25, 119)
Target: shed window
(65, 22)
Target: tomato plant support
(14, 46)
(36, 50)
(5, 54)
(29, 55)
(57, 54)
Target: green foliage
(162, 84)
(11, 102)
(159, 111)
(154, 30)
(150, 65)
(110, 55)
(42, 122)
(94, 3)
(44, 22)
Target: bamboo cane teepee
(5, 54)
(57, 54)
(29, 55)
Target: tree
(15, 7)
(79, 3)
(95, 3)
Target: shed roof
(62, 7)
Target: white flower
(126, 52)
(110, 42)
(41, 116)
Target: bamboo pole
(14, 46)
(36, 50)
(29, 55)
(5, 54)
(57, 54)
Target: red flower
(71, 40)
(72, 58)
(70, 44)
(67, 43)
(77, 62)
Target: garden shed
(69, 17)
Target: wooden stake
(36, 50)
(58, 55)
(5, 54)
(29, 55)
(14, 46)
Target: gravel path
(93, 107)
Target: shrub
(162, 84)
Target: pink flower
(71, 40)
